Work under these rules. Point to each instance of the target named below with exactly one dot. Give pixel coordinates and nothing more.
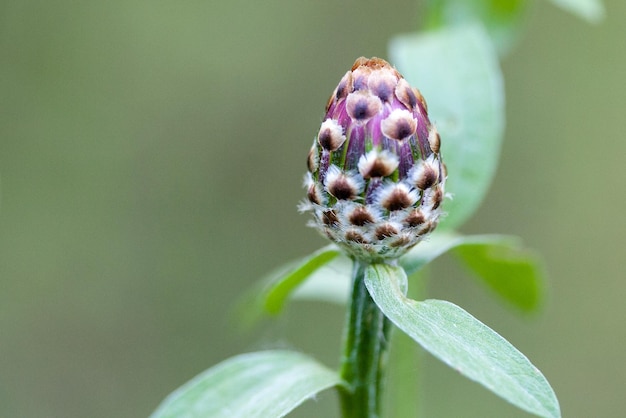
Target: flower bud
(375, 177)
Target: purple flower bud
(376, 179)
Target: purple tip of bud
(376, 179)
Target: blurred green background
(151, 156)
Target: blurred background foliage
(151, 156)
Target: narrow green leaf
(590, 10)
(457, 71)
(282, 285)
(440, 243)
(463, 343)
(501, 18)
(329, 283)
(272, 291)
(521, 285)
(514, 273)
(265, 384)
(511, 271)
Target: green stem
(364, 352)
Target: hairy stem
(364, 352)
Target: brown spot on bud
(331, 136)
(360, 216)
(401, 241)
(382, 84)
(415, 218)
(427, 178)
(312, 160)
(341, 185)
(341, 91)
(330, 101)
(313, 195)
(397, 198)
(406, 95)
(378, 169)
(434, 140)
(377, 164)
(385, 230)
(355, 237)
(330, 218)
(399, 125)
(436, 198)
(418, 95)
(342, 189)
(425, 174)
(344, 87)
(362, 106)
(428, 227)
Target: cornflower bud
(375, 178)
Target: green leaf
(590, 10)
(511, 271)
(265, 384)
(501, 18)
(463, 343)
(283, 284)
(272, 291)
(457, 71)
(440, 243)
(514, 273)
(329, 283)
